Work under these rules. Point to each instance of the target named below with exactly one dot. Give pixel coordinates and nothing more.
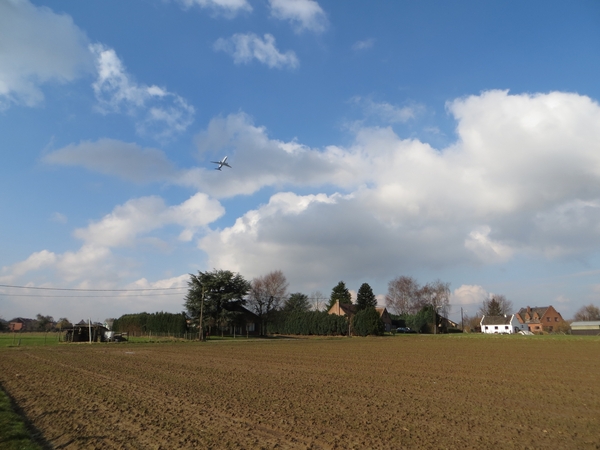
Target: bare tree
(267, 294)
(401, 297)
(496, 305)
(436, 294)
(588, 312)
(318, 300)
(471, 323)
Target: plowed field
(395, 392)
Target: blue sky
(453, 140)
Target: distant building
(587, 327)
(349, 310)
(245, 321)
(343, 309)
(385, 318)
(544, 318)
(21, 324)
(502, 324)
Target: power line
(89, 290)
(90, 296)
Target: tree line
(159, 322)
(211, 295)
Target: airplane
(221, 163)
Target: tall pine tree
(339, 292)
(365, 297)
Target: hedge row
(160, 322)
(309, 323)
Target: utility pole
(201, 314)
(462, 320)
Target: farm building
(589, 327)
(544, 318)
(81, 333)
(501, 324)
(21, 324)
(245, 321)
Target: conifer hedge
(159, 322)
(309, 323)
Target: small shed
(586, 327)
(81, 333)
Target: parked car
(404, 330)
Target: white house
(501, 324)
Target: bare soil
(394, 392)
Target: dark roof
(348, 308)
(237, 307)
(496, 320)
(22, 320)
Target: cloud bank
(522, 180)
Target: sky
(454, 140)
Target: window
(495, 328)
(506, 327)
(250, 326)
(547, 319)
(486, 327)
(556, 319)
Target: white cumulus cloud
(246, 47)
(37, 46)
(159, 112)
(469, 295)
(303, 14)
(523, 178)
(226, 8)
(142, 215)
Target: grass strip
(13, 431)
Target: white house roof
(496, 320)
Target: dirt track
(402, 392)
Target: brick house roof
(532, 315)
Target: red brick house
(21, 324)
(544, 318)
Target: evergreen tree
(365, 298)
(339, 292)
(368, 322)
(210, 291)
(297, 303)
(498, 305)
